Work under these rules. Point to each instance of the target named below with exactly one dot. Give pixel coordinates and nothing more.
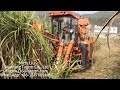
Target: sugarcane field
(59, 44)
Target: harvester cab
(64, 23)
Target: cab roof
(58, 13)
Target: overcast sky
(85, 12)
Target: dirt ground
(104, 67)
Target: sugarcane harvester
(69, 38)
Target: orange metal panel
(60, 51)
(70, 47)
(56, 13)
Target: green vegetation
(17, 36)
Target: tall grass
(64, 70)
(16, 42)
(46, 22)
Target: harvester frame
(67, 23)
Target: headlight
(64, 13)
(71, 30)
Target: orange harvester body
(72, 49)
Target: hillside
(100, 18)
(100, 14)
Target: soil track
(104, 67)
